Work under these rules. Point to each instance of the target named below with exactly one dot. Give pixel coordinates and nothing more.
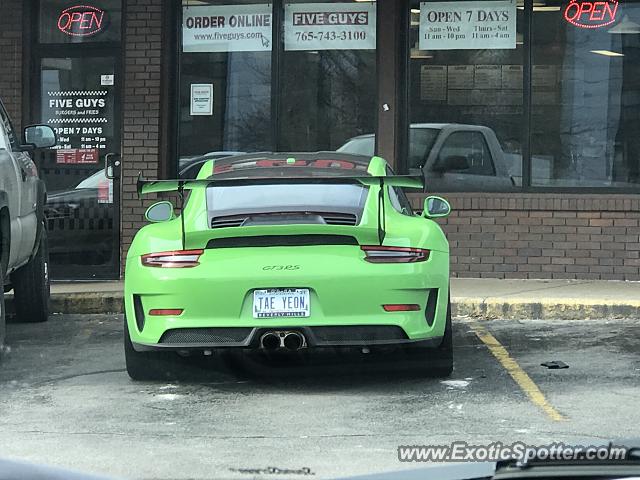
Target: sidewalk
(478, 298)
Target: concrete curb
(483, 309)
(87, 303)
(560, 309)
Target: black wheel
(31, 286)
(441, 358)
(434, 362)
(147, 365)
(3, 324)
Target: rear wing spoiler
(145, 187)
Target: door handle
(111, 162)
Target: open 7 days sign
(467, 25)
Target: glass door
(79, 99)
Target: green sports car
(288, 252)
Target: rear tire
(143, 366)
(31, 286)
(435, 362)
(440, 361)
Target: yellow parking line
(517, 373)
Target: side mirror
(160, 212)
(452, 162)
(40, 136)
(436, 207)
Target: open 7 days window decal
(82, 21)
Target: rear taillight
(401, 307)
(383, 254)
(175, 259)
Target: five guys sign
(82, 21)
(591, 14)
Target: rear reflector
(383, 254)
(175, 259)
(165, 312)
(401, 307)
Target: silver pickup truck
(453, 157)
(23, 239)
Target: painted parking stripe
(517, 373)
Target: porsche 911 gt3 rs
(297, 252)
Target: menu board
(433, 82)
(512, 77)
(461, 76)
(488, 76)
(466, 25)
(472, 84)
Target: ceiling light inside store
(415, 10)
(607, 53)
(626, 26)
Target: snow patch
(455, 384)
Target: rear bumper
(346, 294)
(316, 337)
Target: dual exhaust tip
(292, 341)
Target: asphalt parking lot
(65, 399)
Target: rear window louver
(281, 241)
(228, 221)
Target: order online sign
(227, 28)
(330, 26)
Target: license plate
(281, 302)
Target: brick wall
(141, 109)
(544, 236)
(11, 59)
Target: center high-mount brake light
(383, 254)
(175, 259)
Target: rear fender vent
(432, 302)
(139, 312)
(281, 241)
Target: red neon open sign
(82, 20)
(591, 14)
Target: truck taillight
(174, 259)
(384, 254)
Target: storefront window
(586, 94)
(65, 21)
(466, 94)
(225, 78)
(322, 74)
(328, 75)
